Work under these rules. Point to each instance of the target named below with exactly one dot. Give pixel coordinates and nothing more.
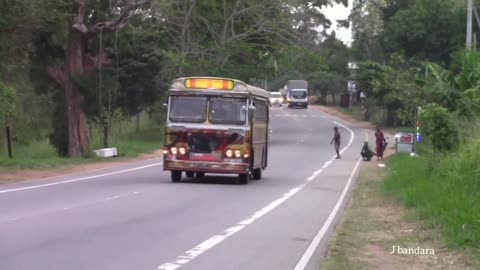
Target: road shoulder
(8, 176)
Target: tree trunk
(9, 141)
(78, 140)
(137, 125)
(323, 98)
(105, 135)
(334, 103)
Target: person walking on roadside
(336, 140)
(379, 140)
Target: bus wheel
(243, 178)
(200, 174)
(190, 174)
(176, 176)
(257, 174)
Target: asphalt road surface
(134, 218)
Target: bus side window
(261, 110)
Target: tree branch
(58, 74)
(92, 63)
(79, 7)
(119, 22)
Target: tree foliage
(439, 128)
(457, 91)
(77, 57)
(7, 100)
(425, 29)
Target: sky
(339, 12)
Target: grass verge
(443, 191)
(42, 155)
(374, 223)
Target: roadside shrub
(439, 128)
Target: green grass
(37, 155)
(129, 143)
(444, 191)
(375, 221)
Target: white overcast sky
(339, 12)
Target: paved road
(134, 218)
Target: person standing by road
(379, 140)
(336, 140)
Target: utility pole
(469, 24)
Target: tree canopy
(79, 63)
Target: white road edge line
(303, 262)
(217, 239)
(80, 179)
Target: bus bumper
(205, 167)
(297, 104)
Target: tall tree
(426, 30)
(77, 60)
(368, 28)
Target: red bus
(216, 125)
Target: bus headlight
(174, 150)
(182, 150)
(238, 153)
(229, 153)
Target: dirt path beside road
(12, 176)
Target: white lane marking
(112, 198)
(80, 179)
(351, 137)
(302, 263)
(327, 163)
(216, 239)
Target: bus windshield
(188, 109)
(228, 111)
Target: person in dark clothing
(379, 140)
(366, 153)
(336, 140)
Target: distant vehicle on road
(297, 93)
(216, 125)
(276, 99)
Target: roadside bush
(439, 128)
